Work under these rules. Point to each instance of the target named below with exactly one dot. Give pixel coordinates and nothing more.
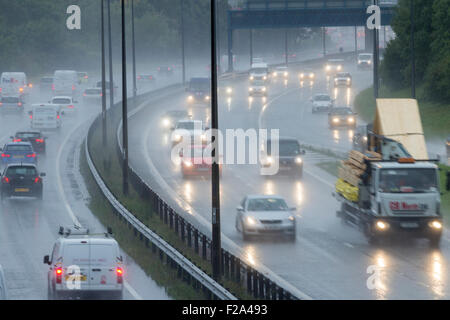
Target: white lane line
(66, 203)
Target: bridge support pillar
(369, 39)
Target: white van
(65, 83)
(85, 265)
(45, 116)
(3, 293)
(13, 83)
(259, 71)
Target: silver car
(260, 215)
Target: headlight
(252, 78)
(381, 225)
(312, 75)
(302, 75)
(292, 218)
(369, 62)
(359, 61)
(365, 138)
(269, 160)
(339, 68)
(264, 89)
(264, 78)
(251, 221)
(336, 120)
(166, 122)
(351, 120)
(203, 136)
(207, 98)
(229, 90)
(328, 68)
(275, 74)
(437, 225)
(298, 160)
(177, 137)
(250, 89)
(190, 98)
(286, 74)
(188, 163)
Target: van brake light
(58, 272)
(119, 272)
(6, 180)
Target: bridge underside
(299, 18)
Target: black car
(199, 90)
(342, 117)
(37, 140)
(165, 71)
(290, 161)
(21, 180)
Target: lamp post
(133, 44)
(103, 75)
(215, 179)
(376, 41)
(413, 54)
(183, 53)
(111, 76)
(124, 104)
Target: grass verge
(329, 166)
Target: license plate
(76, 278)
(409, 225)
(18, 157)
(203, 169)
(22, 190)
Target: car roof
(18, 143)
(322, 94)
(23, 132)
(91, 239)
(18, 97)
(31, 165)
(62, 97)
(263, 196)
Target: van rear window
(76, 254)
(102, 254)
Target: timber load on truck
(392, 188)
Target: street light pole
(133, 42)
(376, 81)
(111, 76)
(413, 54)
(183, 56)
(251, 47)
(286, 59)
(103, 75)
(215, 179)
(124, 105)
(324, 45)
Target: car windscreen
(365, 57)
(177, 114)
(322, 98)
(341, 111)
(203, 85)
(18, 148)
(27, 135)
(408, 180)
(286, 148)
(10, 100)
(267, 204)
(93, 91)
(343, 75)
(21, 171)
(61, 101)
(258, 83)
(259, 70)
(188, 125)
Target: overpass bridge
(286, 14)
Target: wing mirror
(240, 209)
(47, 260)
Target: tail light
(5, 155)
(31, 155)
(19, 104)
(37, 180)
(31, 116)
(119, 273)
(73, 88)
(57, 117)
(139, 77)
(1, 89)
(101, 94)
(58, 273)
(17, 140)
(84, 94)
(70, 107)
(150, 77)
(53, 87)
(40, 140)
(20, 89)
(1, 102)
(86, 77)
(6, 180)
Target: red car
(195, 163)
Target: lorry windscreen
(408, 181)
(259, 70)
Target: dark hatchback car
(342, 117)
(165, 71)
(290, 160)
(37, 140)
(21, 180)
(199, 90)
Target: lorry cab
(45, 116)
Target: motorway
(28, 227)
(329, 260)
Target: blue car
(18, 152)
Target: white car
(257, 88)
(343, 79)
(260, 215)
(92, 95)
(365, 60)
(85, 265)
(188, 129)
(321, 103)
(3, 292)
(66, 103)
(281, 71)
